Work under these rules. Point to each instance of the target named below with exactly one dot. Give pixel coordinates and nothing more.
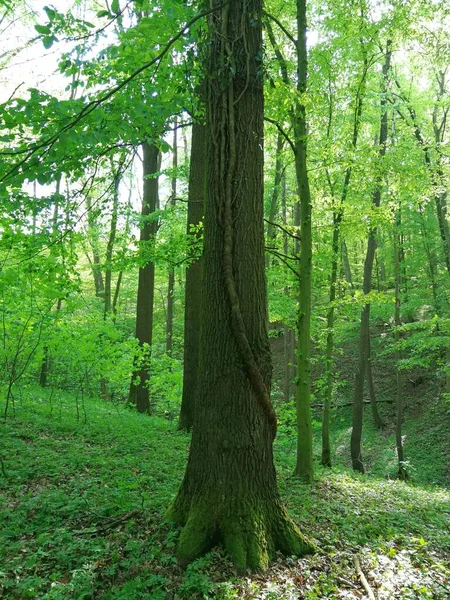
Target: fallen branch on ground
(362, 578)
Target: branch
(296, 237)
(282, 131)
(284, 260)
(281, 26)
(91, 106)
(362, 578)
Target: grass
(82, 498)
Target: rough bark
(229, 492)
(193, 298)
(139, 391)
(364, 332)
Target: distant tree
(139, 390)
(193, 295)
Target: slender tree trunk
(438, 180)
(402, 473)
(275, 195)
(193, 298)
(110, 246)
(337, 220)
(229, 492)
(45, 363)
(288, 334)
(347, 267)
(171, 282)
(304, 465)
(364, 332)
(94, 243)
(372, 395)
(139, 390)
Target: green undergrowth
(82, 494)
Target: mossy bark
(229, 493)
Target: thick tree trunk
(139, 390)
(304, 465)
(193, 298)
(364, 332)
(229, 492)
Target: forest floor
(83, 490)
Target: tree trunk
(45, 363)
(193, 298)
(398, 254)
(347, 267)
(337, 220)
(94, 242)
(275, 194)
(229, 492)
(171, 282)
(373, 399)
(110, 245)
(304, 465)
(139, 390)
(364, 332)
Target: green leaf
(48, 41)
(51, 14)
(115, 6)
(104, 13)
(44, 29)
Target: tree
(139, 391)
(193, 294)
(229, 492)
(364, 331)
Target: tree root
(250, 539)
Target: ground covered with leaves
(83, 490)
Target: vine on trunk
(224, 191)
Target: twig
(362, 578)
(110, 525)
(292, 235)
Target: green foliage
(81, 507)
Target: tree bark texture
(364, 330)
(139, 390)
(229, 492)
(193, 299)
